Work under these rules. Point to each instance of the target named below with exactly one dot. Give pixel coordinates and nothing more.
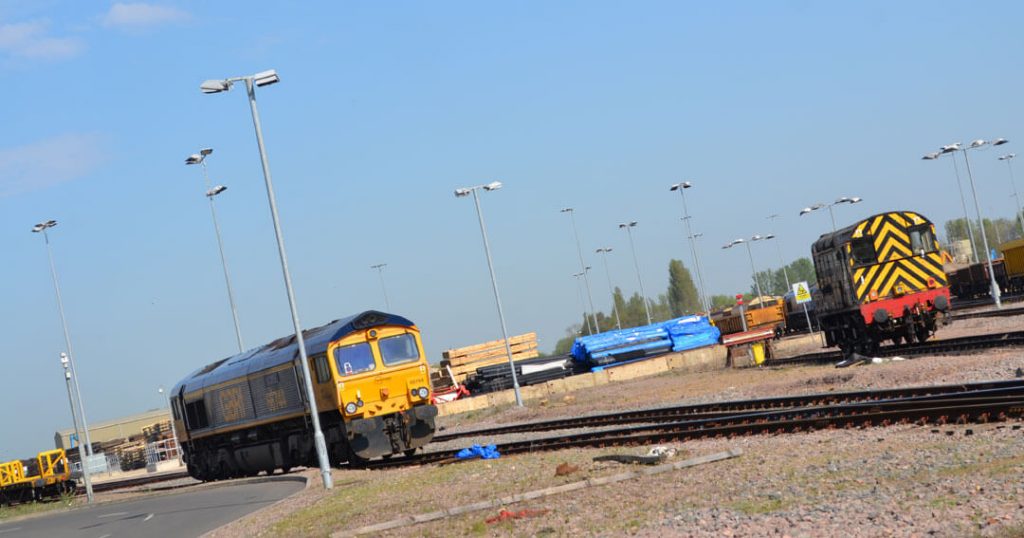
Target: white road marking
(10, 530)
(149, 517)
(115, 514)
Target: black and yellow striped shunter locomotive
(880, 279)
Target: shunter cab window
(863, 251)
(922, 240)
(398, 349)
(354, 359)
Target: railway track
(982, 402)
(732, 407)
(1003, 312)
(952, 346)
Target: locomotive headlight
(351, 408)
(423, 392)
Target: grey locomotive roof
(284, 350)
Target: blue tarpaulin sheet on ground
(676, 334)
(489, 452)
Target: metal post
(380, 272)
(700, 270)
(611, 289)
(808, 316)
(984, 236)
(223, 259)
(756, 282)
(174, 429)
(497, 298)
(963, 203)
(1016, 197)
(67, 343)
(318, 435)
(833, 215)
(78, 436)
(693, 252)
(583, 267)
(643, 295)
(782, 262)
(583, 303)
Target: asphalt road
(189, 513)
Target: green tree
(682, 294)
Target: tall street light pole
(380, 272)
(41, 228)
(628, 227)
(778, 247)
(261, 79)
(211, 192)
(86, 476)
(753, 270)
(959, 187)
(981, 221)
(681, 187)
(1013, 185)
(586, 279)
(475, 191)
(611, 289)
(583, 303)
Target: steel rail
(952, 346)
(731, 407)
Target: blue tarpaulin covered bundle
(676, 335)
(489, 452)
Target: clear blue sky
(385, 107)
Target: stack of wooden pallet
(465, 360)
(157, 431)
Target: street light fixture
(265, 78)
(86, 476)
(211, 192)
(475, 191)
(628, 226)
(949, 149)
(380, 272)
(1013, 184)
(611, 289)
(842, 200)
(753, 270)
(681, 187)
(586, 279)
(41, 228)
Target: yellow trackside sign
(802, 292)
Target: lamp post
(41, 228)
(579, 251)
(819, 205)
(86, 477)
(211, 192)
(261, 79)
(681, 187)
(170, 417)
(582, 301)
(977, 208)
(778, 247)
(628, 226)
(380, 272)
(753, 270)
(1013, 185)
(475, 191)
(611, 289)
(959, 187)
